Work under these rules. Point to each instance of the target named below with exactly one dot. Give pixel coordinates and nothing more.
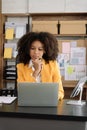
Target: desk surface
(62, 112)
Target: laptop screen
(37, 94)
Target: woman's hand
(37, 64)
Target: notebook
(37, 94)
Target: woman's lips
(36, 57)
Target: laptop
(37, 94)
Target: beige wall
(46, 6)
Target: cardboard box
(46, 26)
(73, 27)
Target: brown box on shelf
(47, 26)
(73, 27)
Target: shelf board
(9, 80)
(9, 59)
(59, 14)
(71, 35)
(16, 14)
(71, 84)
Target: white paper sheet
(78, 56)
(75, 72)
(20, 31)
(63, 59)
(7, 100)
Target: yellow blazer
(49, 73)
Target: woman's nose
(36, 51)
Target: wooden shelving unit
(1, 46)
(5, 18)
(68, 85)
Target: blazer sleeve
(24, 74)
(20, 77)
(57, 78)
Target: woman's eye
(32, 48)
(40, 49)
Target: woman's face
(36, 50)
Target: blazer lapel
(44, 72)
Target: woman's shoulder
(20, 65)
(52, 63)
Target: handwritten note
(66, 47)
(8, 53)
(9, 33)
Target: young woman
(37, 53)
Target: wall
(46, 6)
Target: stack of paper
(10, 72)
(7, 100)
